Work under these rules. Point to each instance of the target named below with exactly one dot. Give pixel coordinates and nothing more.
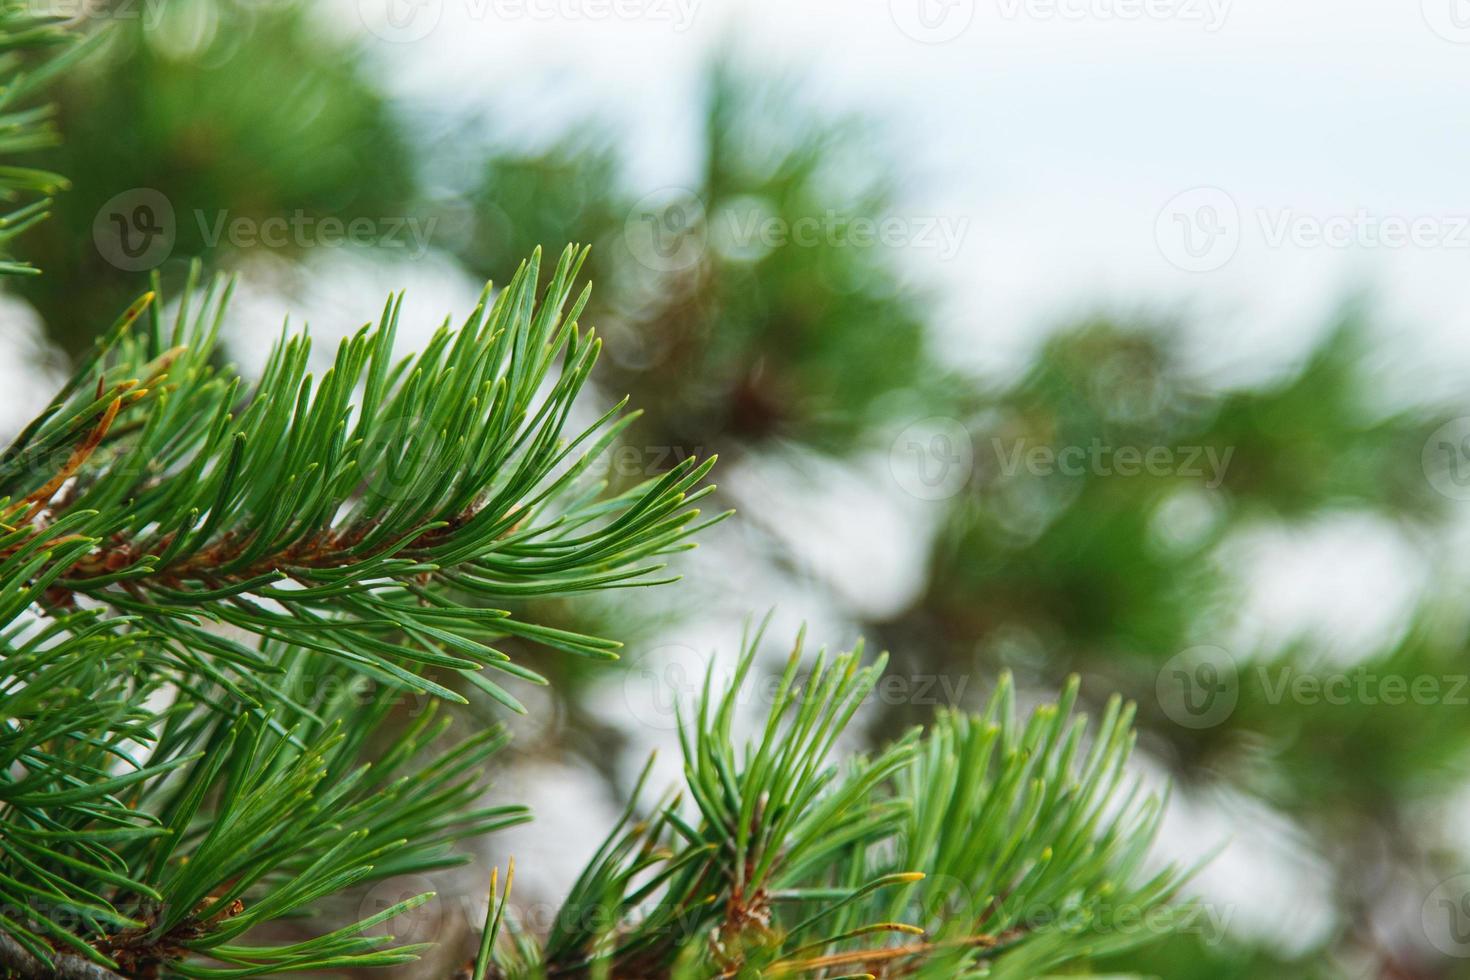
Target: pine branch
(34, 50)
(17, 962)
(981, 847)
(170, 785)
(294, 512)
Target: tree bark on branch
(18, 962)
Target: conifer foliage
(194, 571)
(982, 847)
(215, 592)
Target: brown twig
(79, 455)
(878, 957)
(21, 963)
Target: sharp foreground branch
(18, 962)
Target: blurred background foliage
(825, 352)
(782, 349)
(220, 106)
